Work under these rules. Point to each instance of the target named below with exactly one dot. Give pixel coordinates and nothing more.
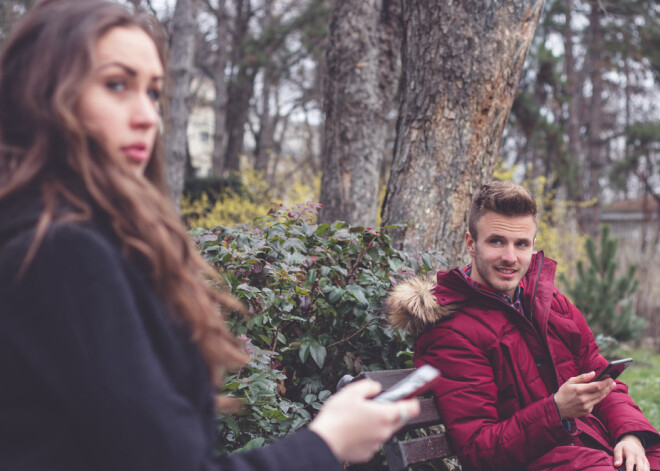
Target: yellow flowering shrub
(233, 208)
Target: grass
(643, 380)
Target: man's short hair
(503, 198)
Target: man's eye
(496, 242)
(115, 85)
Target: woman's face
(119, 102)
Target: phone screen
(416, 383)
(613, 369)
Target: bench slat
(388, 377)
(428, 415)
(400, 455)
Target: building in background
(635, 222)
(201, 123)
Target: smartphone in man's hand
(613, 369)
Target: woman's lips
(136, 152)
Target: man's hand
(577, 396)
(630, 450)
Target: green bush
(314, 292)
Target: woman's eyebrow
(128, 70)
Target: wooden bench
(401, 454)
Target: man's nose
(509, 254)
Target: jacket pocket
(510, 371)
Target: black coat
(95, 374)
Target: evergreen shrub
(604, 296)
(314, 292)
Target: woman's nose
(144, 113)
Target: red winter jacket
(500, 372)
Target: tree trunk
(266, 134)
(462, 63)
(590, 221)
(361, 74)
(220, 85)
(181, 56)
(10, 12)
(240, 92)
(240, 87)
(220, 124)
(574, 98)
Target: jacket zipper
(536, 287)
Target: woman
(110, 343)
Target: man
(517, 358)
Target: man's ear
(534, 242)
(469, 243)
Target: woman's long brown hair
(46, 150)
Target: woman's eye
(116, 85)
(154, 94)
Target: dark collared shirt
(515, 303)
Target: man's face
(501, 256)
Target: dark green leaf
(358, 293)
(335, 294)
(318, 354)
(257, 442)
(303, 353)
(295, 243)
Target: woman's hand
(354, 427)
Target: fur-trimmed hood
(418, 303)
(412, 305)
